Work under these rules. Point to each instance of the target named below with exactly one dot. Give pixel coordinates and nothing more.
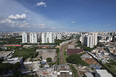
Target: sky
(57, 15)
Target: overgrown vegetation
(73, 70)
(76, 59)
(30, 52)
(58, 58)
(5, 67)
(11, 40)
(57, 41)
(57, 50)
(111, 66)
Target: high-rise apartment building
(89, 39)
(29, 37)
(24, 37)
(48, 37)
(59, 36)
(94, 38)
(33, 37)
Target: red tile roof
(90, 61)
(74, 51)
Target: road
(62, 60)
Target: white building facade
(33, 37)
(48, 37)
(59, 36)
(89, 39)
(24, 37)
(29, 37)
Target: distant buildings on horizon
(46, 37)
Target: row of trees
(74, 70)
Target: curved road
(62, 60)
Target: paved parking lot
(47, 53)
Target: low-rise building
(102, 73)
(74, 51)
(14, 60)
(6, 54)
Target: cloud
(24, 21)
(73, 21)
(17, 17)
(38, 21)
(23, 25)
(29, 19)
(41, 3)
(53, 28)
(42, 24)
(26, 11)
(6, 21)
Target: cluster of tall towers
(89, 39)
(29, 37)
(48, 37)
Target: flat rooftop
(103, 73)
(5, 53)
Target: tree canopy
(49, 59)
(75, 59)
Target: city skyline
(57, 16)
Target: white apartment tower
(24, 37)
(59, 36)
(94, 38)
(48, 37)
(33, 37)
(90, 40)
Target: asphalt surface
(62, 60)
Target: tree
(75, 59)
(49, 59)
(41, 66)
(0, 49)
(57, 50)
(16, 66)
